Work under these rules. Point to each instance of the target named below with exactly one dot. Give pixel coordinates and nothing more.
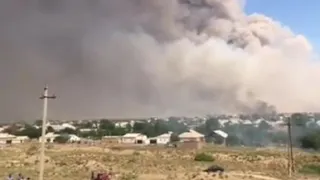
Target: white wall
(133, 140)
(2, 141)
(48, 140)
(128, 140)
(163, 140)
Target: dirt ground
(66, 162)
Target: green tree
(13, 129)
(209, 126)
(119, 131)
(129, 128)
(174, 138)
(68, 131)
(278, 137)
(299, 119)
(160, 127)
(50, 129)
(233, 140)
(264, 126)
(61, 139)
(38, 122)
(311, 141)
(212, 124)
(30, 131)
(176, 126)
(86, 125)
(107, 125)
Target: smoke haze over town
(137, 58)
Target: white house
(88, 129)
(74, 138)
(20, 139)
(6, 138)
(191, 136)
(121, 124)
(134, 138)
(56, 127)
(161, 139)
(59, 127)
(222, 134)
(67, 125)
(49, 137)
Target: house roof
(166, 135)
(191, 134)
(50, 134)
(132, 135)
(22, 137)
(6, 135)
(73, 137)
(221, 133)
(111, 137)
(67, 125)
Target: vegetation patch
(204, 157)
(311, 169)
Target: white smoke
(129, 58)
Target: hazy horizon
(132, 58)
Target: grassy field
(67, 162)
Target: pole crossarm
(48, 97)
(45, 98)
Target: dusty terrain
(76, 162)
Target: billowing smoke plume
(130, 58)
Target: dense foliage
(203, 157)
(305, 132)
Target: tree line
(305, 135)
(103, 127)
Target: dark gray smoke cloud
(132, 58)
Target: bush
(61, 139)
(311, 141)
(174, 138)
(203, 157)
(128, 176)
(32, 150)
(310, 169)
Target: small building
(191, 139)
(221, 134)
(49, 137)
(111, 139)
(73, 138)
(6, 138)
(192, 135)
(134, 138)
(69, 126)
(20, 139)
(161, 139)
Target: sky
(301, 16)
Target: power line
(45, 98)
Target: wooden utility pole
(45, 98)
(290, 151)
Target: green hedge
(310, 169)
(204, 157)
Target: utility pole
(45, 98)
(290, 151)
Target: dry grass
(128, 163)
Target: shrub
(311, 141)
(32, 149)
(311, 169)
(61, 139)
(203, 157)
(174, 138)
(129, 176)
